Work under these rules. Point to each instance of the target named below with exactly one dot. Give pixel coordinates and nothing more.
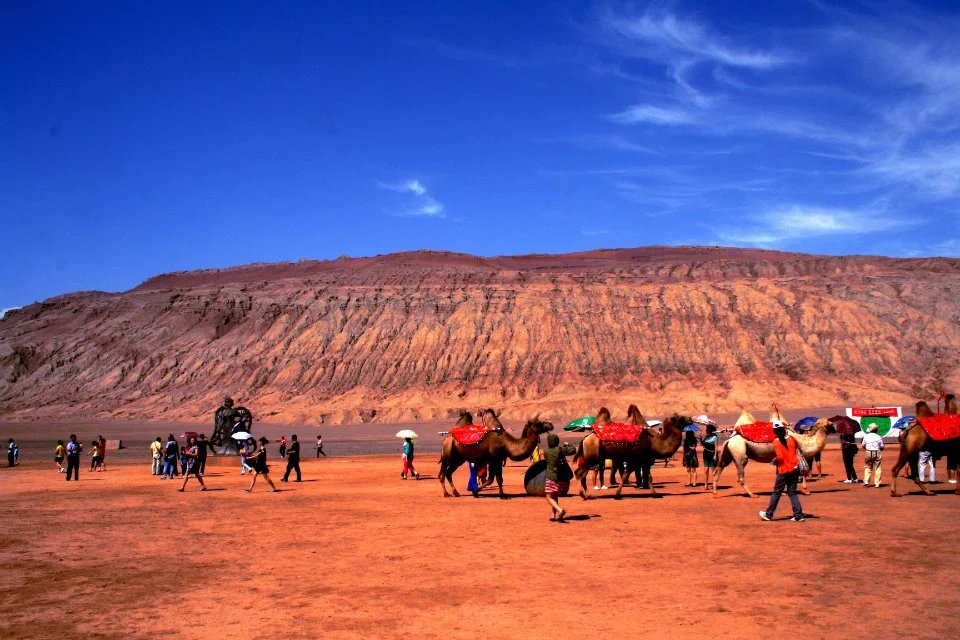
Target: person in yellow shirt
(156, 452)
(59, 453)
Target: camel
(493, 450)
(663, 445)
(639, 455)
(915, 438)
(739, 451)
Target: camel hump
(941, 426)
(616, 432)
(471, 434)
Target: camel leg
(723, 461)
(581, 475)
(913, 459)
(446, 475)
(623, 479)
(741, 476)
(648, 477)
(496, 473)
(803, 486)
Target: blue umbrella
(691, 427)
(902, 422)
(805, 423)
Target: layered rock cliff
(417, 336)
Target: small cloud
(799, 222)
(669, 35)
(424, 205)
(653, 115)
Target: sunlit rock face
(420, 335)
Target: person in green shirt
(408, 460)
(558, 474)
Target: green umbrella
(580, 424)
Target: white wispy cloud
(667, 33)
(804, 222)
(650, 114)
(423, 204)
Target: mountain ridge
(419, 335)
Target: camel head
(538, 426)
(824, 424)
(923, 410)
(677, 421)
(603, 416)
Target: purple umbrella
(845, 425)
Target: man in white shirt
(872, 445)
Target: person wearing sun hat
(872, 448)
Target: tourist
(558, 474)
(472, 485)
(407, 455)
(283, 446)
(872, 448)
(709, 454)
(597, 472)
(259, 460)
(787, 462)
(59, 453)
(293, 459)
(927, 461)
(203, 447)
(12, 453)
(192, 466)
(169, 458)
(848, 449)
(96, 460)
(102, 446)
(74, 449)
(156, 453)
(690, 460)
(320, 446)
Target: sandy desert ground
(354, 551)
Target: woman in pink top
(788, 474)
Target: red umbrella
(845, 425)
(189, 434)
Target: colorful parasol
(845, 425)
(580, 424)
(803, 424)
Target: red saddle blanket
(942, 426)
(618, 432)
(471, 434)
(757, 432)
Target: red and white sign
(874, 412)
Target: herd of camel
(653, 444)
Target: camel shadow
(216, 489)
(424, 476)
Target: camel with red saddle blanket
(937, 432)
(488, 443)
(753, 440)
(631, 442)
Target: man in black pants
(293, 459)
(202, 444)
(74, 449)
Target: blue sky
(145, 137)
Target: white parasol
(242, 435)
(406, 433)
